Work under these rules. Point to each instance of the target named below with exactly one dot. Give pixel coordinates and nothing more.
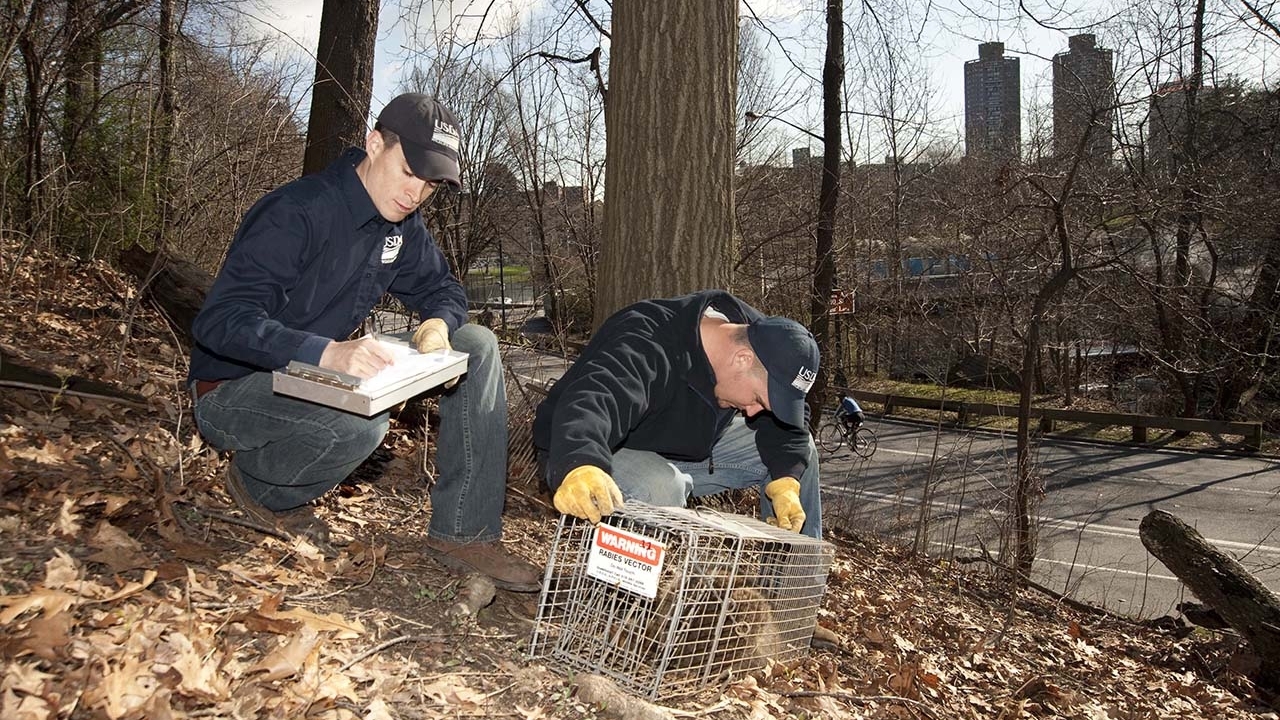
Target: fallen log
(177, 286)
(15, 375)
(1223, 584)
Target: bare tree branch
(586, 12)
(1022, 5)
(778, 40)
(593, 58)
(1262, 18)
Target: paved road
(1095, 497)
(1088, 521)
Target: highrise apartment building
(992, 105)
(1083, 100)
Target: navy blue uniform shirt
(644, 382)
(309, 262)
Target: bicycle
(833, 434)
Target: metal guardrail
(1251, 432)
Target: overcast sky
(947, 33)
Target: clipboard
(412, 374)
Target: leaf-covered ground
(131, 588)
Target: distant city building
(992, 104)
(1167, 124)
(804, 158)
(1083, 99)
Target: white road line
(1210, 486)
(1095, 528)
(1071, 564)
(910, 452)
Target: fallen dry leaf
(61, 571)
(333, 622)
(120, 559)
(68, 522)
(451, 690)
(132, 588)
(288, 658)
(25, 677)
(106, 536)
(124, 689)
(201, 678)
(48, 635)
(378, 710)
(26, 707)
(43, 599)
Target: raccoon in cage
(716, 625)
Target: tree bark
(165, 122)
(824, 271)
(344, 81)
(1260, 322)
(33, 157)
(86, 21)
(1222, 583)
(80, 78)
(669, 172)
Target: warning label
(626, 559)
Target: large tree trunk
(1222, 583)
(165, 127)
(86, 21)
(80, 76)
(824, 271)
(33, 157)
(668, 221)
(1188, 218)
(1261, 322)
(344, 80)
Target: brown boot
(299, 521)
(488, 558)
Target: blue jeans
(651, 478)
(290, 451)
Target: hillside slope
(131, 588)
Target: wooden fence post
(1253, 440)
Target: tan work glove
(432, 335)
(588, 492)
(787, 512)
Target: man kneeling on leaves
(308, 264)
(681, 397)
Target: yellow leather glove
(785, 494)
(432, 335)
(588, 493)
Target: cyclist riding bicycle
(850, 413)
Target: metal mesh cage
(664, 600)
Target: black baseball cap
(790, 357)
(429, 135)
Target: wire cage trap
(665, 600)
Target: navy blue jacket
(644, 382)
(309, 262)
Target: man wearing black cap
(685, 396)
(308, 264)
